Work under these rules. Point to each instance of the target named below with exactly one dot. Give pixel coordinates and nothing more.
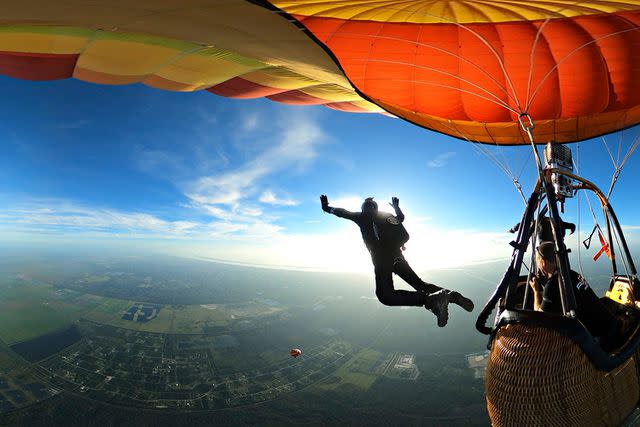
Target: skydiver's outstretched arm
(342, 213)
(395, 203)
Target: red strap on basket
(603, 249)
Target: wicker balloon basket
(539, 377)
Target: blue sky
(238, 180)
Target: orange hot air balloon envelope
(466, 68)
(295, 352)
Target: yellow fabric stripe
(460, 11)
(280, 78)
(199, 70)
(237, 26)
(123, 58)
(331, 93)
(111, 57)
(366, 105)
(41, 43)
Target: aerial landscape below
(74, 339)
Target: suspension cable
(569, 55)
(593, 213)
(618, 167)
(527, 124)
(604, 142)
(622, 254)
(578, 240)
(483, 150)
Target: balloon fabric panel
(464, 68)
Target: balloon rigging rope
(492, 157)
(633, 147)
(618, 167)
(496, 101)
(530, 97)
(482, 39)
(499, 59)
(595, 220)
(604, 142)
(441, 50)
(532, 59)
(622, 257)
(524, 165)
(593, 213)
(578, 240)
(569, 55)
(489, 95)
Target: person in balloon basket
(546, 295)
(384, 236)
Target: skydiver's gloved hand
(324, 201)
(395, 203)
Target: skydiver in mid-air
(384, 236)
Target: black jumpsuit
(387, 261)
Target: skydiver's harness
(389, 231)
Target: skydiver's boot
(459, 299)
(438, 304)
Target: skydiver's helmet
(369, 206)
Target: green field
(28, 310)
(170, 319)
(361, 371)
(193, 318)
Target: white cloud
(441, 159)
(249, 240)
(250, 211)
(344, 251)
(215, 211)
(233, 195)
(270, 198)
(62, 217)
(62, 214)
(348, 202)
(250, 122)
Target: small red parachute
(295, 352)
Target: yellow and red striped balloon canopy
(463, 68)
